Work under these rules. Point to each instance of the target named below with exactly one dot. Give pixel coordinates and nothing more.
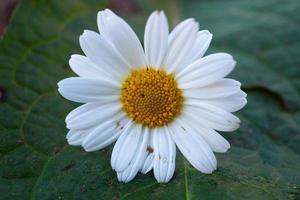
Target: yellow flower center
(151, 97)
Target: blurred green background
(37, 163)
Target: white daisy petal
(126, 147)
(85, 68)
(91, 114)
(180, 45)
(85, 90)
(122, 37)
(102, 18)
(165, 154)
(231, 103)
(75, 137)
(137, 161)
(148, 165)
(210, 116)
(105, 134)
(99, 51)
(220, 89)
(129, 128)
(216, 142)
(156, 38)
(201, 45)
(193, 147)
(225, 93)
(179, 28)
(206, 71)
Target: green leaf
(263, 163)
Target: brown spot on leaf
(68, 167)
(2, 95)
(59, 149)
(20, 141)
(115, 198)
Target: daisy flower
(152, 99)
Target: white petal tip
(85, 31)
(162, 13)
(146, 169)
(73, 142)
(122, 178)
(162, 181)
(208, 171)
(59, 84)
(223, 149)
(87, 149)
(206, 32)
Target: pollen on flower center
(151, 97)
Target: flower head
(151, 99)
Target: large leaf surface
(263, 163)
